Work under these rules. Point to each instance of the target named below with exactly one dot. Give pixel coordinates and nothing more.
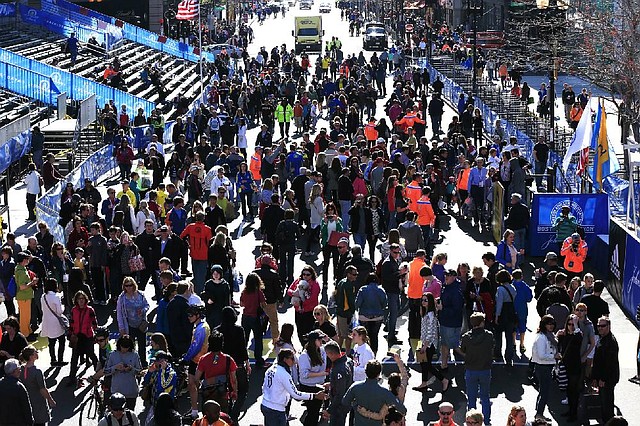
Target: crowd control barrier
(77, 87)
(98, 164)
(129, 31)
(28, 83)
(452, 92)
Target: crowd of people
(363, 199)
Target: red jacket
(83, 321)
(310, 302)
(199, 236)
(124, 156)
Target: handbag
(336, 236)
(73, 341)
(64, 321)
(136, 263)
(144, 325)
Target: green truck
(308, 34)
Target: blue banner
(28, 83)
(77, 87)
(98, 164)
(590, 210)
(7, 9)
(631, 279)
(131, 32)
(14, 149)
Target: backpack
(281, 234)
(129, 418)
(508, 313)
(12, 288)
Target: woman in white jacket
(52, 328)
(544, 356)
(143, 215)
(242, 136)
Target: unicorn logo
(33, 14)
(574, 207)
(44, 86)
(634, 281)
(56, 77)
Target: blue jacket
(502, 255)
(452, 305)
(524, 295)
(244, 181)
(371, 301)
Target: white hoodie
(362, 354)
(278, 388)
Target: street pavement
(461, 243)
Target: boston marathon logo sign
(576, 211)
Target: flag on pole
(188, 10)
(581, 139)
(605, 161)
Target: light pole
(550, 9)
(475, 8)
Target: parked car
(375, 36)
(305, 5)
(325, 7)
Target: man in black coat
(169, 246)
(149, 247)
(273, 293)
(273, 215)
(180, 328)
(391, 275)
(606, 367)
(287, 233)
(264, 138)
(344, 258)
(214, 215)
(436, 109)
(15, 407)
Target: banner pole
(200, 48)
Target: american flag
(188, 10)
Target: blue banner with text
(590, 210)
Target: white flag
(582, 136)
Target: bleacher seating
(14, 106)
(179, 77)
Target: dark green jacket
(345, 288)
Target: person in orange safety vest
(413, 192)
(256, 164)
(426, 217)
(409, 120)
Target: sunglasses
(128, 285)
(603, 325)
(306, 274)
(445, 413)
(317, 314)
(425, 300)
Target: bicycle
(97, 401)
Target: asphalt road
(463, 244)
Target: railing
(452, 91)
(75, 86)
(48, 206)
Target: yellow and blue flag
(605, 162)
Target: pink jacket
(359, 187)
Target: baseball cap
(551, 255)
(575, 236)
(451, 273)
(162, 355)
(315, 335)
(11, 365)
